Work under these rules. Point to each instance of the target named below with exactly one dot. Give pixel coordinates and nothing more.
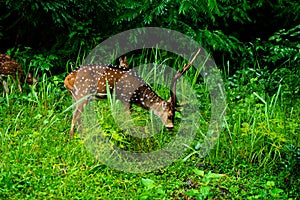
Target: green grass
(256, 157)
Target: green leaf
(199, 172)
(192, 192)
(276, 192)
(214, 175)
(148, 183)
(205, 191)
(270, 184)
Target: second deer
(9, 67)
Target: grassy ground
(256, 157)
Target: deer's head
(165, 110)
(169, 107)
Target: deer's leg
(19, 86)
(127, 110)
(76, 119)
(5, 88)
(19, 83)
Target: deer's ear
(36, 79)
(164, 105)
(170, 100)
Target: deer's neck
(147, 98)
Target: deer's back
(92, 79)
(9, 66)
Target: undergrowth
(257, 155)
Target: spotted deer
(9, 67)
(92, 80)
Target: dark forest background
(259, 32)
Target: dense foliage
(237, 31)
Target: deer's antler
(177, 76)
